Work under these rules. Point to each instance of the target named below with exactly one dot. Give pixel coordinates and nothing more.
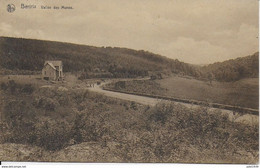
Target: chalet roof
(54, 63)
(49, 63)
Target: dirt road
(235, 117)
(140, 99)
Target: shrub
(198, 130)
(28, 88)
(4, 86)
(133, 106)
(20, 118)
(160, 113)
(17, 88)
(89, 127)
(17, 111)
(52, 134)
(12, 86)
(47, 104)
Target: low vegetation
(64, 122)
(15, 88)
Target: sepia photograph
(129, 81)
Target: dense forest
(26, 54)
(234, 69)
(23, 55)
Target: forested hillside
(234, 69)
(26, 54)
(22, 55)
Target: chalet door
(57, 75)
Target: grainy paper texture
(124, 81)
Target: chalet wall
(48, 71)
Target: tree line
(24, 55)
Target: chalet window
(44, 72)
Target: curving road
(139, 99)
(235, 117)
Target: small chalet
(52, 70)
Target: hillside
(27, 54)
(234, 69)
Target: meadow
(243, 93)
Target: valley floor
(242, 93)
(72, 121)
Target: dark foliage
(27, 56)
(24, 54)
(234, 69)
(14, 87)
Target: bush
(204, 130)
(4, 86)
(28, 88)
(12, 86)
(15, 88)
(17, 111)
(161, 113)
(47, 104)
(20, 118)
(52, 134)
(89, 127)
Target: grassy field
(23, 79)
(243, 93)
(240, 93)
(59, 123)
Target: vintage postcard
(129, 81)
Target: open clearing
(242, 93)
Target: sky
(193, 31)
